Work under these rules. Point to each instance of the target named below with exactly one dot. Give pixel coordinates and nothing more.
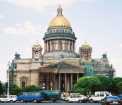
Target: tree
(5, 88)
(14, 89)
(115, 85)
(31, 88)
(119, 86)
(1, 88)
(87, 85)
(106, 83)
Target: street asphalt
(50, 104)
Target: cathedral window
(23, 82)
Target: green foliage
(106, 83)
(119, 86)
(14, 89)
(31, 88)
(1, 88)
(116, 85)
(5, 88)
(87, 85)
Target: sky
(24, 22)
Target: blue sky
(24, 22)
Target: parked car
(111, 100)
(99, 96)
(10, 98)
(52, 95)
(30, 97)
(120, 97)
(76, 97)
(64, 96)
(73, 99)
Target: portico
(59, 81)
(62, 78)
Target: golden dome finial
(59, 11)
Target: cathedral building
(59, 67)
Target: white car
(64, 96)
(99, 96)
(10, 98)
(73, 99)
(76, 98)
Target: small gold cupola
(86, 45)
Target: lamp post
(8, 79)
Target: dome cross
(59, 11)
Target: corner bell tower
(85, 51)
(36, 52)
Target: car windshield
(97, 95)
(112, 98)
(31, 93)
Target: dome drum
(60, 32)
(59, 36)
(54, 45)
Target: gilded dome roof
(86, 45)
(37, 44)
(59, 20)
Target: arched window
(23, 82)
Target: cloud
(1, 16)
(3, 69)
(120, 45)
(42, 4)
(26, 27)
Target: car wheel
(91, 101)
(11, 101)
(35, 101)
(22, 101)
(79, 101)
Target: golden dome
(86, 45)
(59, 20)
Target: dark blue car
(30, 97)
(120, 96)
(111, 100)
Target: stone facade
(59, 67)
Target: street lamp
(8, 79)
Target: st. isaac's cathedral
(59, 67)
